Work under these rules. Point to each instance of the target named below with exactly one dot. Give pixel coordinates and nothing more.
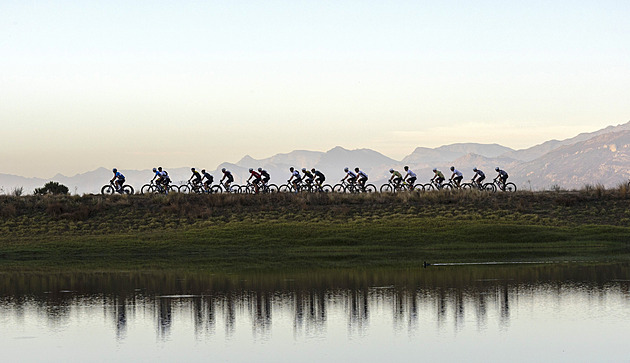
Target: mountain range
(600, 157)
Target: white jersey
(410, 174)
(458, 173)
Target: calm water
(538, 313)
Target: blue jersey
(119, 176)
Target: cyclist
(501, 175)
(319, 177)
(396, 177)
(362, 178)
(209, 179)
(265, 175)
(164, 178)
(295, 178)
(227, 176)
(410, 177)
(438, 177)
(308, 176)
(457, 176)
(256, 176)
(120, 180)
(195, 175)
(478, 177)
(350, 175)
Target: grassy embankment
(248, 232)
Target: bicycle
(111, 188)
(508, 187)
(433, 185)
(354, 187)
(290, 188)
(403, 186)
(223, 188)
(488, 187)
(158, 188)
(250, 188)
(198, 188)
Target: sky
(134, 84)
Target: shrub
(52, 188)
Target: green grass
(276, 232)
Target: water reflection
(440, 296)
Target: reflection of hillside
(451, 296)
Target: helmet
(303, 170)
(154, 170)
(313, 170)
(260, 170)
(406, 167)
(159, 168)
(114, 170)
(475, 168)
(223, 170)
(356, 169)
(434, 170)
(452, 168)
(291, 169)
(391, 170)
(192, 169)
(497, 168)
(203, 171)
(250, 170)
(345, 169)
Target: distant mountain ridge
(600, 157)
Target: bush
(52, 188)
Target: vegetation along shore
(228, 232)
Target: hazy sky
(133, 84)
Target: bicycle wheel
(128, 189)
(215, 189)
(173, 189)
(418, 187)
(468, 186)
(285, 188)
(387, 188)
(184, 189)
(370, 188)
(428, 187)
(146, 189)
(510, 187)
(107, 190)
(339, 188)
(490, 187)
(327, 188)
(446, 187)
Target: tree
(52, 188)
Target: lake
(456, 313)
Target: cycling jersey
(503, 174)
(296, 175)
(307, 174)
(411, 174)
(362, 174)
(265, 174)
(209, 178)
(396, 175)
(255, 174)
(319, 175)
(458, 173)
(196, 174)
(351, 175)
(119, 176)
(440, 175)
(480, 174)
